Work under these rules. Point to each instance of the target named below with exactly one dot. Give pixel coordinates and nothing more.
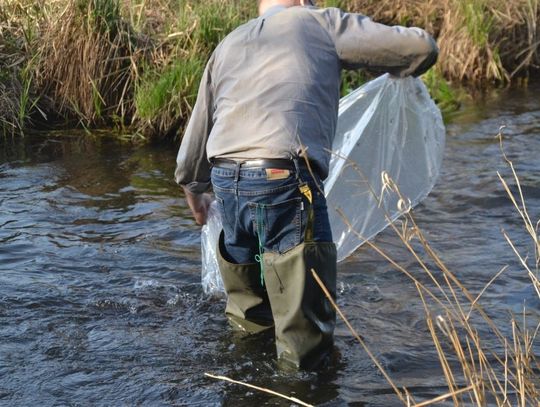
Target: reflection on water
(100, 300)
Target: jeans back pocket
(278, 225)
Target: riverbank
(135, 64)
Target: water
(100, 301)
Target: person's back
(291, 70)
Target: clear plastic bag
(389, 125)
(211, 278)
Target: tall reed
(18, 100)
(88, 57)
(483, 362)
(481, 41)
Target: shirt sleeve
(362, 43)
(192, 166)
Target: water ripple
(100, 301)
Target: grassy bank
(135, 64)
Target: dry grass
(15, 78)
(88, 58)
(481, 364)
(137, 63)
(481, 41)
(129, 62)
(10, 95)
(261, 389)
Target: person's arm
(362, 43)
(192, 166)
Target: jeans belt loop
(236, 179)
(297, 169)
(237, 171)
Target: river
(100, 296)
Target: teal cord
(259, 212)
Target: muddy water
(100, 301)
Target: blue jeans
(259, 211)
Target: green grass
(478, 20)
(167, 91)
(26, 103)
(448, 99)
(170, 89)
(209, 22)
(350, 80)
(333, 3)
(101, 15)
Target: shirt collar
(273, 10)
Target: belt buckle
(252, 163)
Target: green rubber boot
(304, 318)
(248, 308)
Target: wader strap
(297, 169)
(259, 214)
(306, 191)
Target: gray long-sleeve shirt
(271, 87)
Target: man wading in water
(270, 93)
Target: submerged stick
(251, 386)
(444, 396)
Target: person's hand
(199, 204)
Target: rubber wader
(248, 308)
(304, 318)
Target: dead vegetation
(88, 63)
(10, 95)
(481, 42)
(13, 56)
(484, 362)
(135, 64)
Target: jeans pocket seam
(221, 189)
(269, 191)
(225, 222)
